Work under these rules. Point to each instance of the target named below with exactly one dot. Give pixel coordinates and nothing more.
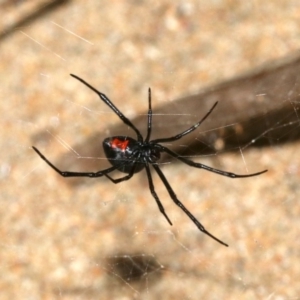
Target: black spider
(131, 156)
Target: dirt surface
(90, 239)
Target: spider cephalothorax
(130, 156)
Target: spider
(130, 156)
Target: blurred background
(90, 239)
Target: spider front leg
(108, 102)
(178, 202)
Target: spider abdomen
(123, 152)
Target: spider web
(90, 239)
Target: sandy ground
(63, 239)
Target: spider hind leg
(178, 203)
(153, 193)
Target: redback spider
(130, 156)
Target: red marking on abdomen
(116, 143)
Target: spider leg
(207, 168)
(178, 202)
(149, 117)
(180, 135)
(152, 190)
(75, 174)
(126, 177)
(112, 106)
